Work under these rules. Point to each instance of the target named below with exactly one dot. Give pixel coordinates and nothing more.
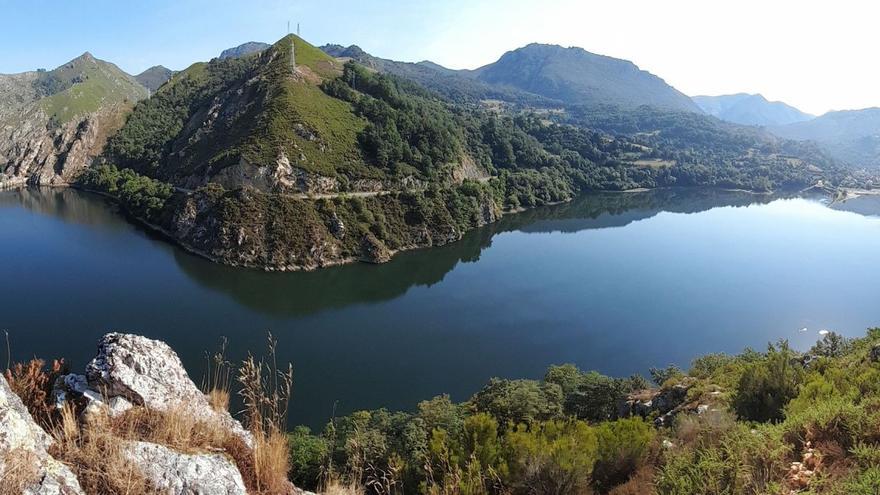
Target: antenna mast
(292, 50)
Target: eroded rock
(149, 373)
(24, 445)
(186, 474)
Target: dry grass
(218, 399)
(96, 457)
(338, 487)
(33, 385)
(18, 471)
(94, 447)
(265, 391)
(176, 428)
(640, 483)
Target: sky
(815, 55)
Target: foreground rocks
(145, 372)
(128, 372)
(176, 472)
(24, 456)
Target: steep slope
(154, 77)
(244, 49)
(576, 76)
(852, 136)
(748, 109)
(53, 123)
(247, 121)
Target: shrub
(519, 401)
(766, 386)
(623, 447)
(554, 457)
(308, 453)
(741, 461)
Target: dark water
(616, 283)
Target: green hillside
(86, 85)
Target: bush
(308, 453)
(766, 386)
(514, 402)
(555, 457)
(623, 447)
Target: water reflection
(298, 294)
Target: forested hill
(537, 75)
(578, 77)
(288, 158)
(852, 136)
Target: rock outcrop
(53, 123)
(185, 474)
(24, 456)
(149, 373)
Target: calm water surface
(615, 283)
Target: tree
(766, 386)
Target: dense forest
(777, 421)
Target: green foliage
(143, 197)
(739, 461)
(554, 457)
(308, 455)
(832, 344)
(514, 402)
(623, 447)
(766, 386)
(662, 375)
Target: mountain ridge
(750, 109)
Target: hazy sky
(816, 55)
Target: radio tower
(292, 49)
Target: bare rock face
(24, 446)
(149, 373)
(177, 473)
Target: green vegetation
(83, 86)
(142, 196)
(770, 423)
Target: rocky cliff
(53, 123)
(130, 377)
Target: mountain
(154, 77)
(852, 136)
(576, 76)
(749, 109)
(544, 76)
(52, 123)
(286, 162)
(244, 49)
(455, 85)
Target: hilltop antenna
(292, 50)
(297, 29)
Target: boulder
(24, 446)
(149, 373)
(176, 473)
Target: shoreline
(170, 238)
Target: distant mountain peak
(244, 49)
(154, 77)
(750, 109)
(576, 76)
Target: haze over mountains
(750, 109)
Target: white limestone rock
(148, 372)
(176, 473)
(22, 439)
